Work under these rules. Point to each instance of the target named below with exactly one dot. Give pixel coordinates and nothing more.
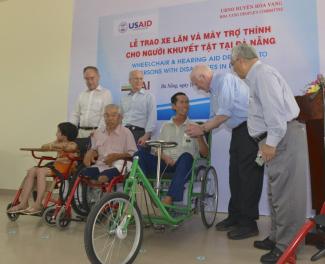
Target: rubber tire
(62, 219)
(48, 214)
(76, 203)
(12, 216)
(205, 221)
(91, 220)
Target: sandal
(16, 210)
(32, 211)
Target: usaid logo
(136, 25)
(123, 27)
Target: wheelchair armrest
(33, 150)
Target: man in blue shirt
(139, 109)
(229, 96)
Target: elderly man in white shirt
(139, 109)
(89, 109)
(271, 122)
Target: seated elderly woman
(178, 160)
(109, 145)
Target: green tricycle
(114, 228)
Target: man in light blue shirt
(271, 115)
(139, 109)
(229, 99)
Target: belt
(239, 126)
(88, 128)
(134, 128)
(260, 137)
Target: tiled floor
(28, 240)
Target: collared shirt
(271, 103)
(120, 140)
(171, 132)
(89, 109)
(229, 97)
(139, 109)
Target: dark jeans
(245, 177)
(93, 173)
(182, 171)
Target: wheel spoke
(113, 231)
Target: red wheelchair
(289, 255)
(83, 194)
(57, 181)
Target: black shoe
(271, 257)
(243, 232)
(266, 244)
(226, 224)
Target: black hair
(173, 99)
(91, 68)
(69, 130)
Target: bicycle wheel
(209, 197)
(108, 238)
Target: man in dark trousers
(229, 96)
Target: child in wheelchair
(65, 147)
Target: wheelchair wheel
(90, 196)
(12, 216)
(209, 197)
(48, 216)
(77, 203)
(64, 190)
(106, 238)
(63, 218)
(200, 173)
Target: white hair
(114, 106)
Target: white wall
(35, 43)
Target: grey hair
(114, 106)
(131, 73)
(244, 51)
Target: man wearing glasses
(229, 101)
(139, 109)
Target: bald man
(139, 109)
(229, 99)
